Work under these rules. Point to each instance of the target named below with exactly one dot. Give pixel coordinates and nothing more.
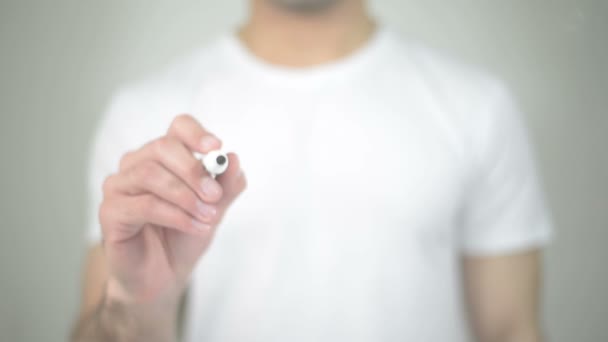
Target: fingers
(135, 211)
(175, 157)
(152, 177)
(149, 193)
(163, 184)
(192, 134)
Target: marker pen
(215, 162)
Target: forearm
(514, 334)
(502, 295)
(524, 335)
(117, 321)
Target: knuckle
(107, 214)
(175, 190)
(146, 172)
(158, 146)
(161, 146)
(125, 160)
(147, 205)
(104, 212)
(182, 117)
(195, 169)
(174, 184)
(108, 184)
(179, 120)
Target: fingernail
(206, 211)
(210, 187)
(198, 225)
(208, 143)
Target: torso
(347, 228)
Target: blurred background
(60, 60)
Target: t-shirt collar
(340, 69)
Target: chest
(344, 158)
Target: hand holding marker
(215, 162)
(159, 214)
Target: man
(381, 192)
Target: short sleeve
(505, 208)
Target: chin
(306, 6)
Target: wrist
(145, 315)
(161, 299)
(125, 317)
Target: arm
(502, 295)
(103, 317)
(158, 216)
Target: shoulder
(437, 63)
(467, 98)
(451, 80)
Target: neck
(283, 37)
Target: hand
(160, 211)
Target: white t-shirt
(367, 178)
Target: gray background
(61, 59)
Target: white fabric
(368, 177)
